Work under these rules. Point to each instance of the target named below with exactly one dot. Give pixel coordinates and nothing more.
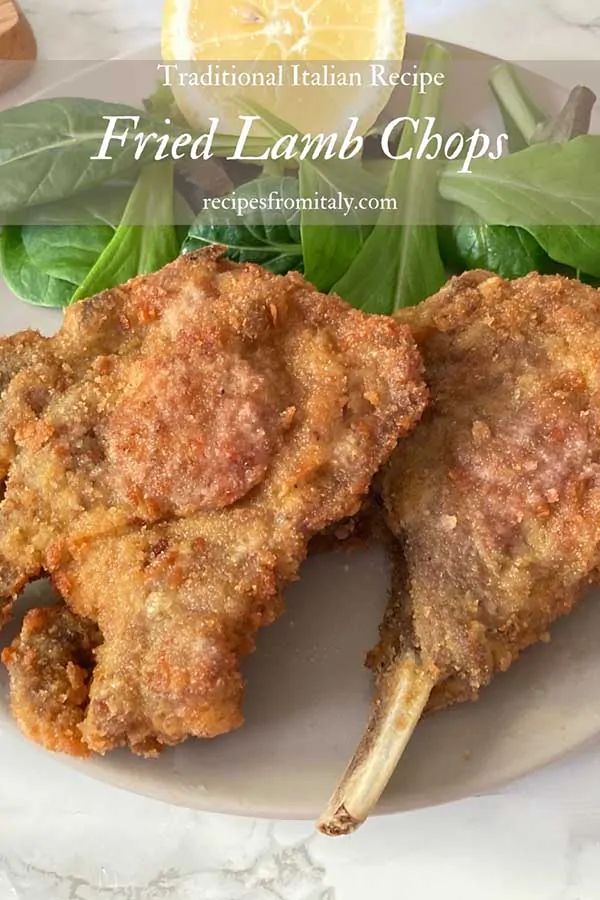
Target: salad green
(536, 208)
(510, 252)
(136, 248)
(274, 243)
(413, 266)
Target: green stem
(403, 247)
(521, 115)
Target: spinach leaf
(470, 243)
(23, 278)
(45, 149)
(330, 240)
(577, 247)
(400, 264)
(65, 251)
(135, 248)
(47, 263)
(99, 206)
(266, 236)
(550, 190)
(44, 263)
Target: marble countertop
(64, 837)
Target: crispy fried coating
(50, 666)
(20, 400)
(219, 418)
(34, 368)
(16, 352)
(495, 497)
(51, 661)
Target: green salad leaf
(65, 238)
(46, 149)
(470, 243)
(329, 242)
(400, 263)
(136, 248)
(65, 251)
(56, 263)
(266, 236)
(554, 184)
(526, 123)
(26, 280)
(521, 116)
(49, 248)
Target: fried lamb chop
(172, 486)
(52, 661)
(20, 401)
(494, 501)
(54, 657)
(51, 665)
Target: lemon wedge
(332, 41)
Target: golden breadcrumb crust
(495, 497)
(50, 666)
(215, 418)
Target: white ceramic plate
(308, 693)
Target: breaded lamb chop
(18, 351)
(52, 661)
(19, 402)
(50, 666)
(494, 500)
(34, 368)
(172, 488)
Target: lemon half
(331, 38)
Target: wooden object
(17, 45)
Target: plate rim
(99, 768)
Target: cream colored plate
(307, 693)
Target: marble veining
(274, 872)
(531, 30)
(64, 837)
(581, 13)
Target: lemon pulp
(262, 32)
